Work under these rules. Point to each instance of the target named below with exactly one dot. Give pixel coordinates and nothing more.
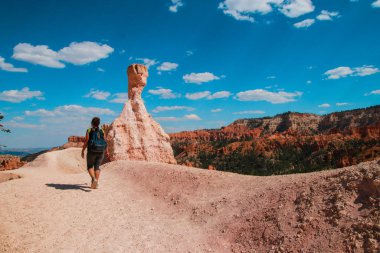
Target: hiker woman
(96, 147)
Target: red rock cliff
(10, 162)
(74, 142)
(287, 142)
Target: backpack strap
(89, 130)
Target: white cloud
(17, 96)
(238, 15)
(84, 52)
(199, 78)
(296, 8)
(100, 69)
(18, 118)
(167, 66)
(197, 95)
(365, 71)
(208, 95)
(148, 62)
(341, 104)
(374, 92)
(40, 55)
(244, 10)
(264, 95)
(192, 117)
(219, 94)
(167, 118)
(327, 15)
(40, 113)
(98, 94)
(77, 53)
(342, 72)
(376, 4)
(324, 105)
(175, 5)
(71, 111)
(15, 124)
(250, 112)
(308, 82)
(68, 120)
(189, 53)
(120, 98)
(216, 110)
(172, 108)
(186, 117)
(164, 93)
(305, 23)
(338, 72)
(271, 77)
(9, 67)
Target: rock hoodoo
(74, 142)
(10, 162)
(134, 135)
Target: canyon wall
(286, 143)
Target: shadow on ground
(81, 187)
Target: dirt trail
(152, 207)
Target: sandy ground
(152, 207)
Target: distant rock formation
(134, 135)
(286, 143)
(10, 162)
(74, 142)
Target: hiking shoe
(94, 184)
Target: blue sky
(210, 62)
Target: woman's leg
(94, 181)
(97, 174)
(90, 167)
(92, 173)
(98, 162)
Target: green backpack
(96, 142)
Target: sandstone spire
(134, 135)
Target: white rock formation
(134, 135)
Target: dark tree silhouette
(2, 128)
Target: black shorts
(94, 160)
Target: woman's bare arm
(85, 144)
